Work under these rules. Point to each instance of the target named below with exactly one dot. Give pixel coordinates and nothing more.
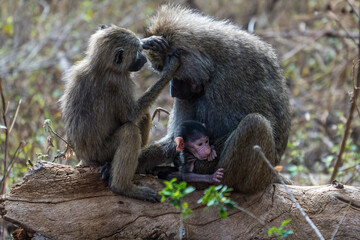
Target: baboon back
(225, 74)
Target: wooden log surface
(65, 202)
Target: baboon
(103, 120)
(193, 143)
(233, 82)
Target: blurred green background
(316, 41)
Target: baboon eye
(200, 144)
(102, 26)
(118, 56)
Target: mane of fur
(188, 28)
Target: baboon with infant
(230, 80)
(103, 120)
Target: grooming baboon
(103, 121)
(231, 81)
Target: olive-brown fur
(230, 80)
(103, 120)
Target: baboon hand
(212, 154)
(105, 171)
(155, 43)
(172, 61)
(217, 176)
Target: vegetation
(317, 41)
(280, 232)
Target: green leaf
(285, 222)
(189, 190)
(272, 230)
(211, 203)
(223, 212)
(181, 185)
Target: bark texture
(65, 202)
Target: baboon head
(197, 62)
(115, 49)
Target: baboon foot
(105, 171)
(139, 192)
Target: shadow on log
(65, 202)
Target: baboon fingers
(105, 171)
(155, 43)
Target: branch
(347, 126)
(259, 150)
(341, 221)
(16, 113)
(3, 185)
(12, 161)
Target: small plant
(175, 192)
(280, 231)
(218, 196)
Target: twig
(158, 111)
(12, 162)
(250, 214)
(334, 17)
(354, 86)
(48, 128)
(341, 221)
(16, 113)
(259, 150)
(352, 8)
(3, 185)
(348, 124)
(65, 154)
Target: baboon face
(116, 49)
(138, 63)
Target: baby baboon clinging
(231, 81)
(103, 121)
(194, 144)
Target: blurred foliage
(218, 196)
(315, 39)
(280, 232)
(176, 192)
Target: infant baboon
(194, 145)
(103, 120)
(231, 81)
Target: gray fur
(103, 120)
(243, 101)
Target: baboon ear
(102, 26)
(118, 56)
(180, 145)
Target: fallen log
(65, 202)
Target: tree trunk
(65, 202)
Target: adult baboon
(231, 81)
(103, 120)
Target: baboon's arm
(148, 98)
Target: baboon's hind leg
(125, 162)
(244, 168)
